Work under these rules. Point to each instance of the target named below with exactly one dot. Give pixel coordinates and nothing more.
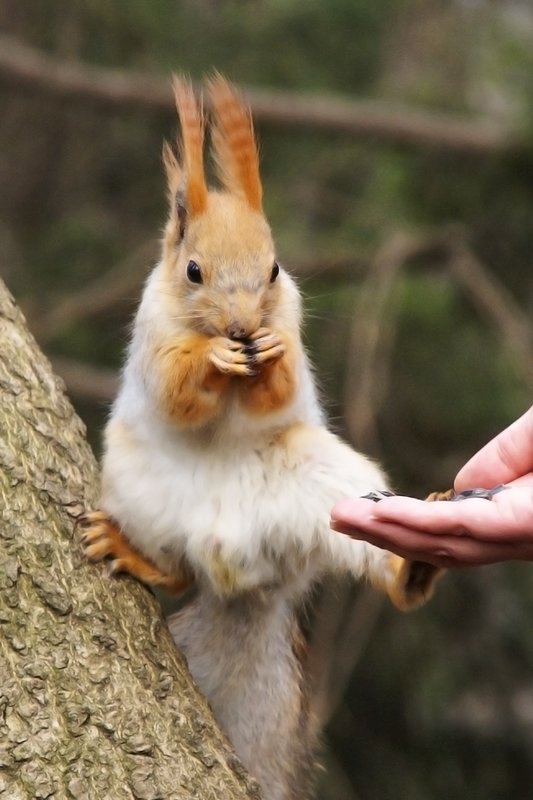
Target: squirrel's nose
(238, 331)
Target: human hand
(447, 534)
(465, 533)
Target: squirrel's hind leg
(413, 584)
(104, 539)
(415, 580)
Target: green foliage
(72, 252)
(447, 363)
(450, 680)
(458, 404)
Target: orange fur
(272, 389)
(449, 494)
(192, 140)
(192, 387)
(414, 582)
(234, 146)
(230, 230)
(104, 539)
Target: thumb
(506, 457)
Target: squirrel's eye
(194, 272)
(275, 272)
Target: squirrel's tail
(246, 656)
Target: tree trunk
(95, 701)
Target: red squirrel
(219, 468)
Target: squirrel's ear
(191, 169)
(234, 147)
(176, 195)
(172, 170)
(181, 211)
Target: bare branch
(23, 65)
(379, 121)
(371, 341)
(373, 326)
(495, 302)
(120, 286)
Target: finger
(269, 355)
(508, 456)
(221, 343)
(260, 332)
(509, 515)
(229, 368)
(441, 551)
(401, 541)
(524, 481)
(90, 518)
(266, 342)
(238, 357)
(352, 511)
(98, 549)
(233, 344)
(96, 532)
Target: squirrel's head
(218, 249)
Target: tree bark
(95, 700)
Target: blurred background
(397, 158)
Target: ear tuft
(233, 141)
(172, 170)
(192, 142)
(181, 211)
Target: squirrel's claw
(268, 346)
(104, 539)
(100, 537)
(90, 518)
(231, 368)
(269, 355)
(230, 358)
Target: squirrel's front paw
(103, 539)
(413, 583)
(265, 345)
(229, 356)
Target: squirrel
(219, 469)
